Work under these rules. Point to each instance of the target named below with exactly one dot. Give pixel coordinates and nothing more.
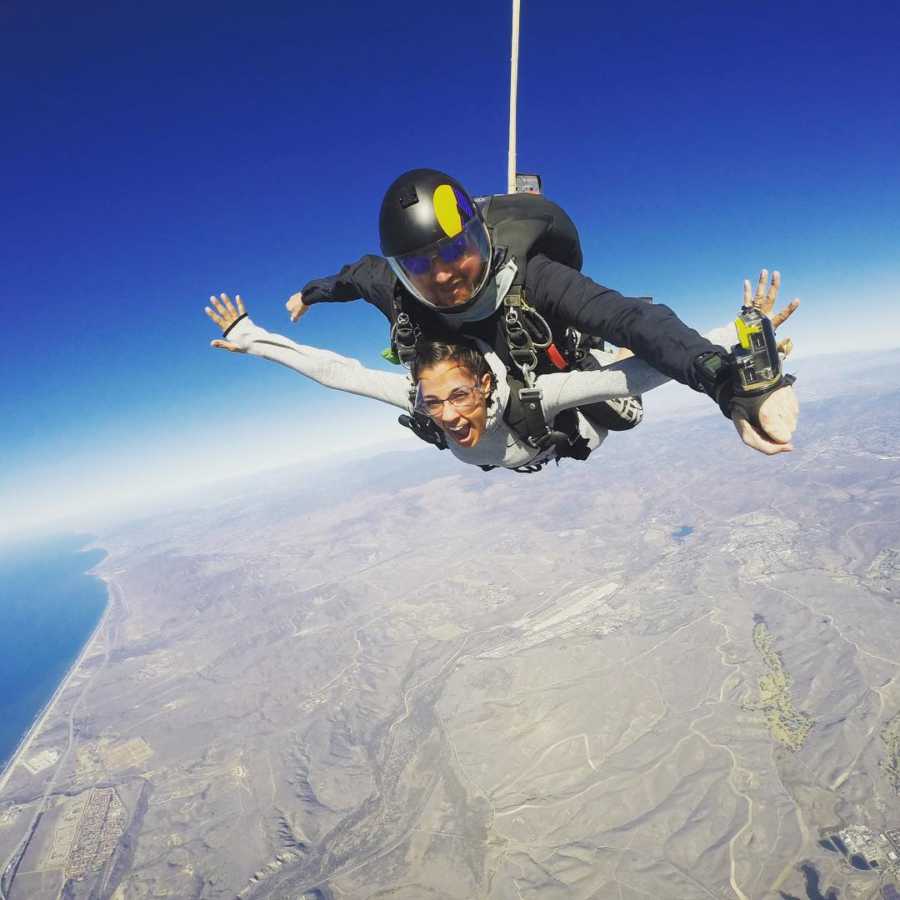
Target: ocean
(48, 609)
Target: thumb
(295, 306)
(226, 345)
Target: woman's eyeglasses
(462, 399)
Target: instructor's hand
(296, 307)
(778, 420)
(225, 315)
(764, 298)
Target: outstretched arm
(652, 331)
(778, 415)
(370, 278)
(628, 378)
(328, 369)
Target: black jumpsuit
(562, 295)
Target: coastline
(37, 724)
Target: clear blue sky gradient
(152, 156)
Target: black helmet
(435, 239)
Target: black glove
(717, 376)
(750, 404)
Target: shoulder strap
(524, 414)
(404, 331)
(518, 237)
(526, 331)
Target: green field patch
(890, 737)
(788, 725)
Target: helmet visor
(449, 273)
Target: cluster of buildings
(99, 830)
(867, 850)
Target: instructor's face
(449, 284)
(455, 401)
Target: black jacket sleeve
(371, 278)
(652, 331)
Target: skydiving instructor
(455, 267)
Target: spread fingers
(781, 317)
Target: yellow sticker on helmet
(447, 211)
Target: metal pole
(513, 89)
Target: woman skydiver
(465, 392)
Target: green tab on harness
(390, 354)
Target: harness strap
(540, 435)
(422, 427)
(404, 332)
(526, 332)
(527, 469)
(525, 416)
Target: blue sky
(152, 156)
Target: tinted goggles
(449, 251)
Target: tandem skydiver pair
(502, 333)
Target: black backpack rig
(521, 225)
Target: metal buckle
(531, 395)
(404, 336)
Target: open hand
(764, 298)
(224, 314)
(780, 410)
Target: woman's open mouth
(460, 432)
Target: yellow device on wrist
(756, 355)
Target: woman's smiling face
(455, 400)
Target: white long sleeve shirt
(499, 445)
